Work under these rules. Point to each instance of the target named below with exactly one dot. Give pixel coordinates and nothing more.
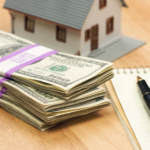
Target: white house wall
(99, 16)
(45, 34)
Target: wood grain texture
(136, 24)
(5, 23)
(99, 130)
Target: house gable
(45, 34)
(102, 15)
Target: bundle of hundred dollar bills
(44, 87)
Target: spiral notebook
(123, 92)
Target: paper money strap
(2, 89)
(22, 58)
(2, 80)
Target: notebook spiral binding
(135, 68)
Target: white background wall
(45, 34)
(99, 16)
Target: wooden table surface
(99, 130)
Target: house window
(109, 25)
(29, 23)
(61, 34)
(87, 34)
(102, 3)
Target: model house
(72, 26)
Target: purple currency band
(3, 80)
(9, 72)
(1, 94)
(3, 90)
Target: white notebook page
(125, 85)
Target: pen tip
(139, 78)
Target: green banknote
(60, 74)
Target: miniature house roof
(71, 13)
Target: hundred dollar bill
(25, 116)
(31, 119)
(82, 88)
(43, 102)
(10, 43)
(55, 114)
(60, 73)
(63, 70)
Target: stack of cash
(44, 111)
(55, 89)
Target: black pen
(144, 93)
